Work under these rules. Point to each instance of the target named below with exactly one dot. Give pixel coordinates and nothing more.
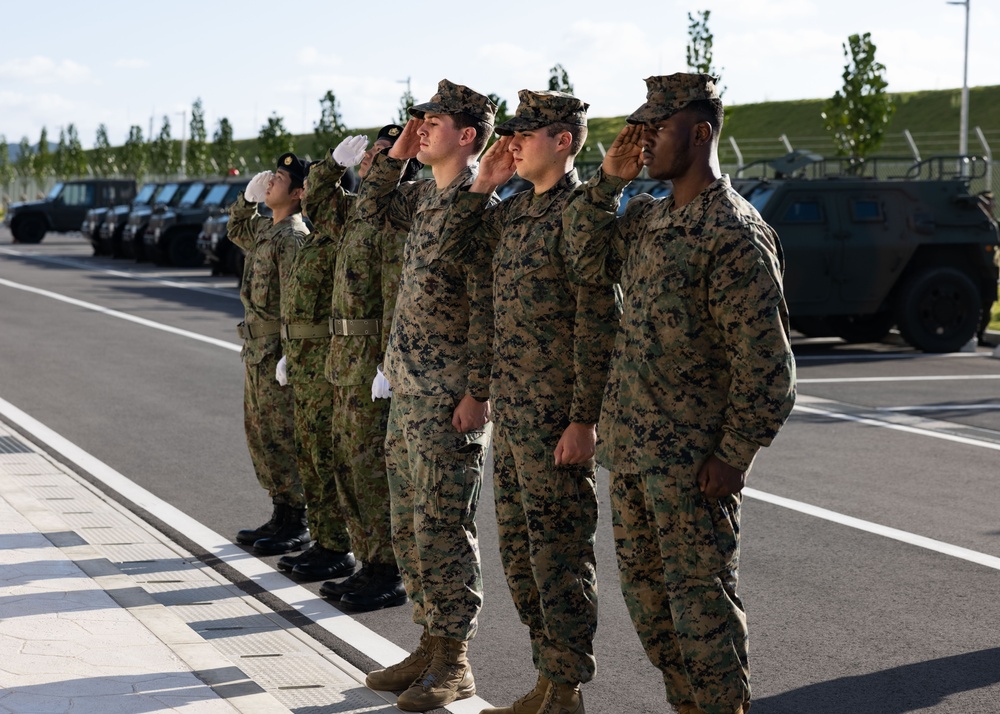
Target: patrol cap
(390, 132)
(667, 95)
(538, 109)
(454, 98)
(296, 167)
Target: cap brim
(518, 124)
(649, 113)
(418, 110)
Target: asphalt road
(863, 589)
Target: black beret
(296, 167)
(390, 132)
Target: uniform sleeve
(244, 223)
(595, 235)
(285, 249)
(391, 242)
(598, 314)
(479, 284)
(382, 198)
(471, 230)
(326, 202)
(746, 302)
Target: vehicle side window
(805, 211)
(866, 210)
(78, 194)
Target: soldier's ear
(702, 133)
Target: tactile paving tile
(25, 464)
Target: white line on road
(928, 378)
(122, 315)
(941, 408)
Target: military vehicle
(65, 206)
(863, 254)
(132, 243)
(172, 236)
(107, 235)
(222, 254)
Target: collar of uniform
(541, 205)
(694, 212)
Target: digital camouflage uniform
(363, 279)
(305, 314)
(702, 366)
(267, 407)
(552, 344)
(438, 351)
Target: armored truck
(65, 206)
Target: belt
(258, 329)
(355, 327)
(303, 331)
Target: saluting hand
(495, 168)
(408, 144)
(624, 158)
(716, 478)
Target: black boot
(383, 589)
(249, 536)
(288, 562)
(336, 589)
(325, 564)
(292, 535)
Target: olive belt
(258, 329)
(355, 327)
(304, 331)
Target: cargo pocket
(458, 478)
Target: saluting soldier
(268, 410)
(702, 377)
(437, 363)
(363, 279)
(552, 346)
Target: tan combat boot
(530, 703)
(402, 674)
(562, 699)
(448, 677)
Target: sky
(125, 63)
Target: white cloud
(44, 70)
(311, 57)
(131, 63)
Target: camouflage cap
(296, 167)
(454, 99)
(667, 95)
(538, 109)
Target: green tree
(330, 129)
(135, 154)
(502, 114)
(59, 158)
(273, 141)
(223, 150)
(163, 159)
(104, 160)
(76, 159)
(559, 80)
(43, 156)
(197, 148)
(405, 102)
(25, 161)
(858, 115)
(6, 168)
(699, 48)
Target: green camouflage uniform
(305, 307)
(438, 351)
(702, 366)
(267, 407)
(552, 345)
(363, 279)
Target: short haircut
(577, 131)
(484, 130)
(709, 110)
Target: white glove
(255, 190)
(350, 151)
(281, 373)
(380, 386)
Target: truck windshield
(166, 193)
(145, 194)
(760, 196)
(192, 194)
(55, 191)
(215, 196)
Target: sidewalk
(102, 614)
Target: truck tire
(31, 229)
(938, 309)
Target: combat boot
(530, 703)
(325, 564)
(448, 677)
(402, 674)
(336, 589)
(292, 535)
(288, 562)
(249, 536)
(384, 588)
(562, 699)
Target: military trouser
(268, 419)
(678, 554)
(314, 411)
(547, 520)
(435, 476)
(358, 441)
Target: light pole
(963, 130)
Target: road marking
(928, 378)
(123, 316)
(888, 356)
(940, 408)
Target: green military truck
(862, 254)
(64, 208)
